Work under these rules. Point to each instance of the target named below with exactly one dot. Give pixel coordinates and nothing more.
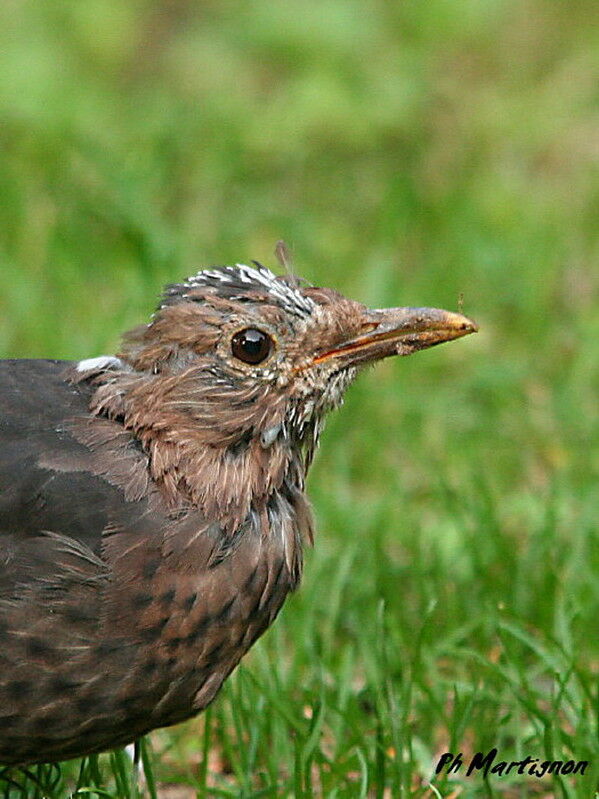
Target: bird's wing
(51, 480)
(76, 489)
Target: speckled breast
(130, 649)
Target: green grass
(409, 153)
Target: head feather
(242, 283)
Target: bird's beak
(399, 331)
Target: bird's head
(249, 354)
(227, 386)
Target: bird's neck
(223, 472)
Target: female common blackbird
(152, 506)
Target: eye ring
(251, 346)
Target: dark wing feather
(49, 480)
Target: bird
(153, 512)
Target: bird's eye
(251, 345)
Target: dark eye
(251, 345)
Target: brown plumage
(152, 506)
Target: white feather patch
(100, 363)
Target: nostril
(368, 327)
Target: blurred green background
(409, 153)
